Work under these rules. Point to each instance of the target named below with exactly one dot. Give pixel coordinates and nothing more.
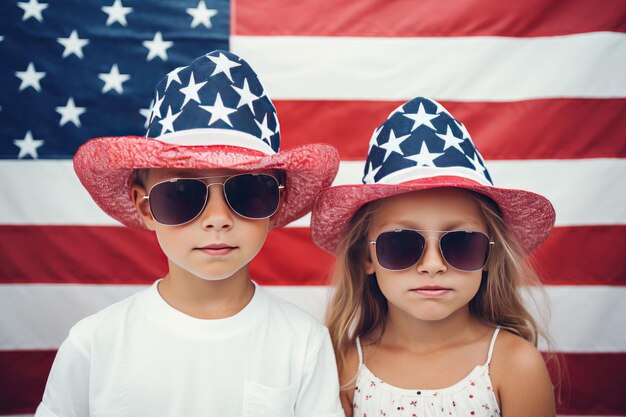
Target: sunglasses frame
(206, 199)
(438, 239)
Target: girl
(427, 319)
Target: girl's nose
(431, 262)
(217, 214)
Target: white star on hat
(476, 162)
(425, 157)
(371, 173)
(30, 78)
(191, 91)
(451, 140)
(421, 118)
(374, 138)
(201, 15)
(246, 97)
(223, 64)
(70, 113)
(28, 146)
(157, 47)
(168, 121)
(219, 111)
(113, 80)
(266, 132)
(173, 76)
(117, 13)
(73, 45)
(32, 9)
(156, 107)
(393, 144)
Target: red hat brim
(529, 216)
(105, 167)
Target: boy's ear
(141, 204)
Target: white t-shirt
(141, 357)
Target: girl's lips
(431, 291)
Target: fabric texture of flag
(541, 85)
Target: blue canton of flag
(76, 69)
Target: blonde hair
(358, 307)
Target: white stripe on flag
(451, 68)
(47, 192)
(39, 316)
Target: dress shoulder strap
(492, 344)
(359, 350)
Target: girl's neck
(402, 329)
(205, 299)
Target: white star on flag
(266, 132)
(32, 9)
(147, 113)
(156, 107)
(201, 15)
(157, 47)
(70, 113)
(28, 146)
(223, 64)
(393, 144)
(424, 158)
(73, 45)
(451, 140)
(371, 173)
(30, 78)
(113, 80)
(168, 121)
(219, 111)
(191, 91)
(117, 13)
(476, 162)
(421, 118)
(173, 76)
(246, 97)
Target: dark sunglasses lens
(397, 250)
(177, 202)
(467, 251)
(254, 196)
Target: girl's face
(431, 289)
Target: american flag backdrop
(540, 84)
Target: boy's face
(215, 245)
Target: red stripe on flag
(426, 18)
(591, 376)
(593, 384)
(117, 255)
(532, 129)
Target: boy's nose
(432, 261)
(217, 214)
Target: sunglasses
(465, 250)
(177, 201)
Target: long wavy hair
(359, 308)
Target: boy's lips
(217, 249)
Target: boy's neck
(204, 299)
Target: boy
(205, 340)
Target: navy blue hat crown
(421, 139)
(216, 100)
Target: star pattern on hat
(422, 134)
(218, 91)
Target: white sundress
(471, 396)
